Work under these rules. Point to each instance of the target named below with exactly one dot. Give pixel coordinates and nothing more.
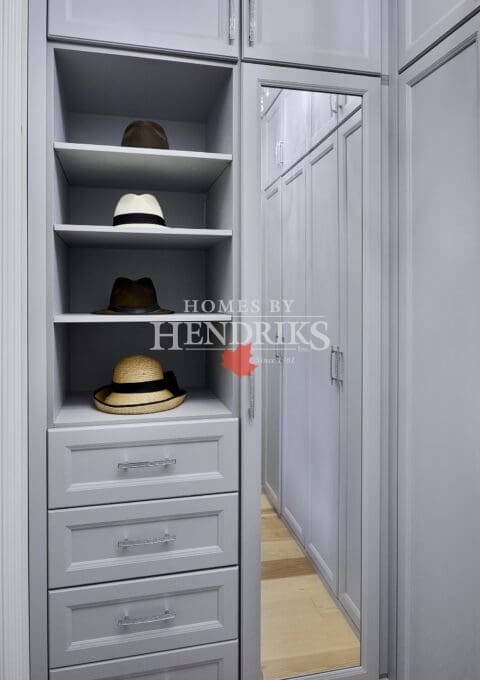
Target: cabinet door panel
(422, 22)
(323, 116)
(330, 33)
(272, 402)
(351, 207)
(322, 543)
(296, 106)
(295, 364)
(209, 27)
(439, 374)
(272, 135)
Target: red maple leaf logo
(238, 360)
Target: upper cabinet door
(422, 22)
(343, 34)
(210, 27)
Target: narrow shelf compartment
(80, 236)
(137, 318)
(78, 409)
(116, 166)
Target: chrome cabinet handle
(339, 369)
(231, 21)
(128, 621)
(252, 22)
(127, 543)
(332, 364)
(333, 104)
(124, 467)
(251, 397)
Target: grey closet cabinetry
(295, 376)
(272, 386)
(208, 27)
(343, 34)
(422, 22)
(439, 399)
(323, 266)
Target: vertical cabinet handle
(333, 353)
(336, 366)
(333, 104)
(251, 397)
(252, 22)
(231, 21)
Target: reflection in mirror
(311, 499)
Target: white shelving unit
(77, 409)
(81, 236)
(117, 166)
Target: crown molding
(14, 639)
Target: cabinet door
(272, 136)
(209, 27)
(295, 366)
(422, 22)
(439, 371)
(351, 207)
(347, 105)
(342, 34)
(297, 114)
(322, 206)
(272, 384)
(323, 116)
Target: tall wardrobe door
(295, 397)
(272, 382)
(350, 202)
(439, 371)
(322, 192)
(342, 34)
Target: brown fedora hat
(145, 133)
(133, 297)
(139, 386)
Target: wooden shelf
(130, 168)
(136, 318)
(78, 409)
(80, 236)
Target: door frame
(369, 87)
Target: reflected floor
(303, 630)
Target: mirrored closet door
(312, 392)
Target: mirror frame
(254, 77)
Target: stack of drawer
(143, 551)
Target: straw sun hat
(139, 386)
(139, 210)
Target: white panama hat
(138, 210)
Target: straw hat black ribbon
(138, 218)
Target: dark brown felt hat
(145, 133)
(133, 297)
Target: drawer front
(107, 543)
(211, 662)
(141, 461)
(96, 623)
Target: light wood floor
(303, 630)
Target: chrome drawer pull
(127, 621)
(147, 464)
(127, 543)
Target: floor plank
(303, 630)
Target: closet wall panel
(294, 502)
(322, 539)
(439, 397)
(422, 22)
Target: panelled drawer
(96, 465)
(211, 662)
(107, 543)
(97, 623)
